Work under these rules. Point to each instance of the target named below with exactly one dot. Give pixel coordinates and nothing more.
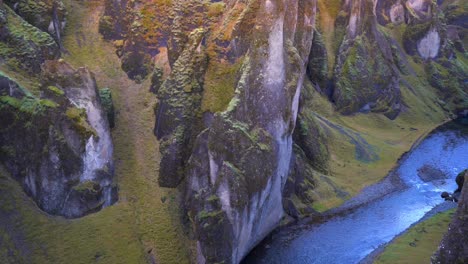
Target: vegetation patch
(219, 86)
(418, 243)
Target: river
(350, 238)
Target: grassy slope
(419, 243)
(140, 222)
(389, 138)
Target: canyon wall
(54, 136)
(265, 105)
(454, 245)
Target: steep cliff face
(58, 145)
(367, 59)
(54, 137)
(454, 246)
(24, 46)
(365, 75)
(259, 106)
(241, 162)
(98, 166)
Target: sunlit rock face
(58, 146)
(241, 161)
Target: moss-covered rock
(413, 34)
(46, 148)
(454, 245)
(38, 13)
(105, 95)
(317, 68)
(44, 141)
(176, 113)
(23, 46)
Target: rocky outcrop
(180, 99)
(240, 164)
(46, 15)
(24, 46)
(107, 103)
(235, 138)
(366, 76)
(454, 245)
(140, 30)
(58, 145)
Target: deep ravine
(350, 238)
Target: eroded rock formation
(240, 126)
(54, 134)
(454, 246)
(58, 145)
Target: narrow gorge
(233, 131)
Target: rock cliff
(58, 145)
(265, 110)
(267, 103)
(54, 136)
(454, 246)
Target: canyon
(187, 131)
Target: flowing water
(350, 238)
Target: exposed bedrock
(454, 245)
(241, 162)
(366, 76)
(58, 145)
(240, 137)
(47, 15)
(180, 100)
(24, 46)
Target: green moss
(216, 9)
(213, 198)
(57, 91)
(21, 29)
(364, 71)
(414, 33)
(203, 215)
(75, 114)
(449, 77)
(10, 101)
(48, 103)
(106, 100)
(318, 61)
(37, 12)
(78, 117)
(28, 105)
(456, 11)
(87, 186)
(220, 84)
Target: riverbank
(392, 182)
(389, 184)
(362, 225)
(435, 218)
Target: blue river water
(350, 238)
